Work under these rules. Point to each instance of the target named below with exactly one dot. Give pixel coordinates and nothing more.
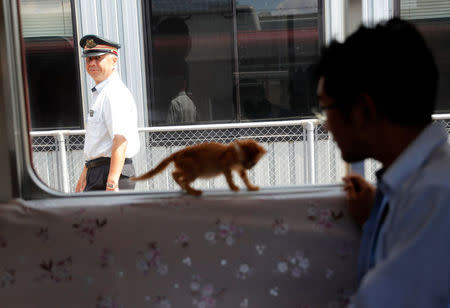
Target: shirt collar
(412, 157)
(99, 87)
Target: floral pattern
(7, 278)
(203, 254)
(43, 234)
(324, 219)
(55, 271)
(296, 265)
(87, 227)
(279, 227)
(3, 242)
(203, 294)
(151, 259)
(225, 231)
(106, 302)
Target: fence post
(311, 157)
(63, 158)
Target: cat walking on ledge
(208, 160)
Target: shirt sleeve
(173, 116)
(119, 113)
(415, 271)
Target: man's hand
(81, 181)
(118, 151)
(360, 196)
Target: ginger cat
(210, 159)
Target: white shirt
(412, 267)
(112, 113)
(182, 109)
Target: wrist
(111, 185)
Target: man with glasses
(111, 131)
(377, 91)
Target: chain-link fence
(299, 152)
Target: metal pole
(311, 158)
(63, 158)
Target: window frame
(323, 27)
(24, 182)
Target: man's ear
(368, 108)
(114, 58)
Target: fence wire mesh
(287, 162)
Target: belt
(102, 161)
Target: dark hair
(391, 63)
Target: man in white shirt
(111, 131)
(378, 92)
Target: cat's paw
(194, 192)
(234, 188)
(253, 188)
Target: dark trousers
(97, 175)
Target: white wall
(120, 21)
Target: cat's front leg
(244, 177)
(229, 177)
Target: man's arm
(117, 161)
(81, 181)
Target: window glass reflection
(433, 19)
(52, 68)
(277, 43)
(192, 62)
(219, 61)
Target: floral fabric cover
(286, 250)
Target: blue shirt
(412, 251)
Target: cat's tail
(161, 166)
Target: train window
(433, 19)
(232, 60)
(51, 64)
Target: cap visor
(94, 54)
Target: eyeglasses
(320, 112)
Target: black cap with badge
(94, 45)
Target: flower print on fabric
(345, 250)
(3, 242)
(280, 227)
(7, 278)
(329, 273)
(151, 259)
(182, 239)
(226, 231)
(87, 227)
(106, 302)
(106, 258)
(43, 234)
(296, 265)
(55, 271)
(244, 303)
(243, 271)
(203, 293)
(162, 302)
(343, 299)
(260, 249)
(274, 291)
(324, 219)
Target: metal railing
(294, 150)
(299, 152)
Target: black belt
(102, 161)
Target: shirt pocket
(95, 125)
